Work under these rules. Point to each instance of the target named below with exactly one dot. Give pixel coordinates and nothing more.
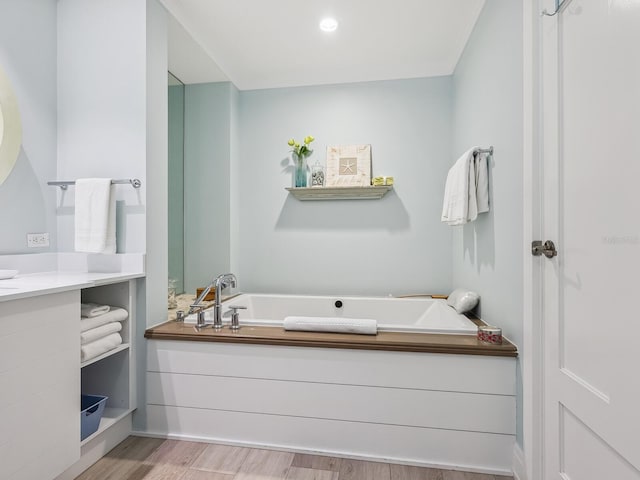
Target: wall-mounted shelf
(340, 193)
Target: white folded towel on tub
(99, 332)
(94, 349)
(332, 324)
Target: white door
(591, 210)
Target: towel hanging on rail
(467, 188)
(95, 216)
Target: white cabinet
(39, 385)
(41, 379)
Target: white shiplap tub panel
(484, 452)
(391, 406)
(454, 373)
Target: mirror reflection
(176, 184)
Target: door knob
(548, 248)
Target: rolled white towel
(114, 315)
(90, 310)
(99, 332)
(94, 349)
(332, 324)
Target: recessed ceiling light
(328, 24)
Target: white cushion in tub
(332, 324)
(463, 300)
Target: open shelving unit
(112, 373)
(340, 193)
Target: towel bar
(63, 184)
(484, 150)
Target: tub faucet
(219, 283)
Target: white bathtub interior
(421, 315)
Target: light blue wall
(28, 58)
(391, 246)
(207, 189)
(487, 110)
(176, 185)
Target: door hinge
(548, 248)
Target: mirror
(417, 127)
(10, 128)
(176, 183)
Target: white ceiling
(188, 60)
(277, 43)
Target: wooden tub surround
(387, 341)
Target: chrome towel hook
(559, 5)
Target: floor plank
(317, 462)
(149, 471)
(221, 458)
(405, 472)
(123, 461)
(265, 465)
(298, 473)
(204, 475)
(361, 470)
(176, 453)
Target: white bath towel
(93, 309)
(114, 315)
(93, 349)
(95, 216)
(455, 208)
(466, 190)
(99, 332)
(332, 324)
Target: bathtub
(420, 315)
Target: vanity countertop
(43, 274)
(30, 285)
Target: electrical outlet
(37, 240)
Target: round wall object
(10, 128)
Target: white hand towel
(332, 324)
(99, 332)
(95, 213)
(94, 349)
(114, 315)
(482, 182)
(93, 309)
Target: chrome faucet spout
(220, 283)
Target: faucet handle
(235, 316)
(201, 321)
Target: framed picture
(349, 166)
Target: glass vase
(299, 171)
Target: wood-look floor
(139, 458)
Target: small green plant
(301, 150)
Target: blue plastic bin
(92, 408)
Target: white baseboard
(519, 465)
